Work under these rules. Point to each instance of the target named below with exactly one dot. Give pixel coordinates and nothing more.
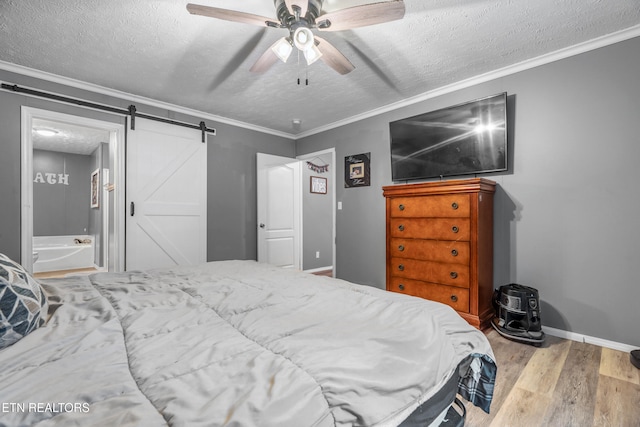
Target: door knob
(262, 225)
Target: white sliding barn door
(166, 196)
(279, 211)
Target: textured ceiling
(68, 138)
(156, 49)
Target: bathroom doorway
(72, 168)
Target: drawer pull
(401, 287)
(454, 252)
(401, 267)
(401, 227)
(453, 275)
(454, 206)
(455, 229)
(401, 248)
(454, 298)
(401, 207)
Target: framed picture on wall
(95, 186)
(357, 171)
(318, 185)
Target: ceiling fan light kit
(283, 48)
(300, 17)
(312, 54)
(303, 38)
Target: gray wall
(231, 167)
(566, 217)
(317, 220)
(61, 210)
(231, 190)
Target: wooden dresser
(440, 244)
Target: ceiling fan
(300, 17)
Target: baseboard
(315, 270)
(588, 339)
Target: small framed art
(357, 171)
(318, 185)
(95, 185)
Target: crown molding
(78, 84)
(558, 55)
(587, 46)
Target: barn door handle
(132, 209)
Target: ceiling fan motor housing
(300, 17)
(288, 20)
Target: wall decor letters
(52, 178)
(318, 168)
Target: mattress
(238, 343)
(431, 412)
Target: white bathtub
(53, 253)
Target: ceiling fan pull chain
(298, 67)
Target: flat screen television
(469, 138)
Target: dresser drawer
(432, 250)
(436, 272)
(431, 228)
(457, 298)
(450, 205)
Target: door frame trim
(116, 151)
(332, 188)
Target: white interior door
(279, 211)
(166, 196)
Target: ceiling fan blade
(361, 16)
(266, 61)
(333, 58)
(231, 15)
(302, 4)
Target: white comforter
(232, 343)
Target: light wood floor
(328, 273)
(63, 273)
(561, 383)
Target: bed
(234, 343)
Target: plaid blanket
(477, 378)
